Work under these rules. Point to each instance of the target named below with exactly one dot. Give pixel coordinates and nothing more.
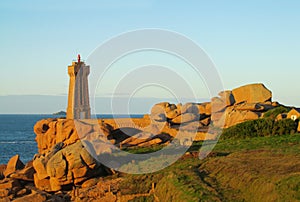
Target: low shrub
(284, 126)
(272, 113)
(260, 128)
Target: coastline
(77, 157)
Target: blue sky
(249, 41)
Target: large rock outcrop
(252, 93)
(70, 165)
(245, 103)
(231, 117)
(229, 108)
(62, 159)
(49, 132)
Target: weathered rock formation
(13, 165)
(17, 175)
(252, 93)
(247, 102)
(64, 157)
(50, 132)
(70, 165)
(241, 104)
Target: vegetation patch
(260, 128)
(273, 113)
(257, 175)
(256, 169)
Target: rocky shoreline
(65, 168)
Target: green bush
(272, 113)
(285, 126)
(260, 128)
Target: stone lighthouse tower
(78, 100)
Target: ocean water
(17, 136)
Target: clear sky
(249, 41)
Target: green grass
(260, 169)
(289, 187)
(178, 182)
(284, 144)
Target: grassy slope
(256, 169)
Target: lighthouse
(78, 98)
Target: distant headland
(60, 113)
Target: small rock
(42, 184)
(184, 118)
(89, 183)
(2, 169)
(150, 143)
(22, 192)
(172, 114)
(9, 183)
(137, 139)
(205, 121)
(25, 174)
(275, 104)
(4, 193)
(13, 164)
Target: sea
(17, 136)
